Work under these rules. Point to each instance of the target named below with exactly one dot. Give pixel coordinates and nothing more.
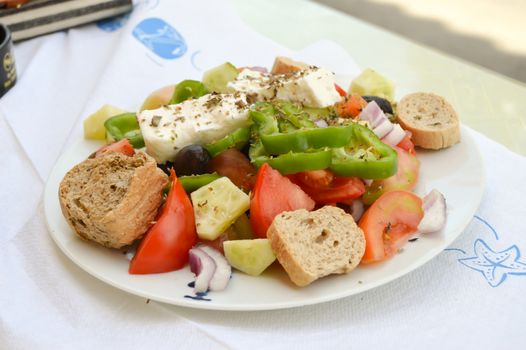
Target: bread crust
(126, 220)
(285, 65)
(324, 257)
(433, 122)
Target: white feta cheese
(199, 121)
(312, 88)
(253, 83)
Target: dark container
(7, 60)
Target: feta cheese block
(312, 87)
(198, 121)
(253, 83)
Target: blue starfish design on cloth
(495, 266)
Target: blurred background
(489, 33)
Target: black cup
(7, 61)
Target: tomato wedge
(351, 106)
(405, 178)
(166, 245)
(325, 188)
(341, 91)
(272, 195)
(407, 145)
(313, 178)
(236, 166)
(388, 223)
(123, 146)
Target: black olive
(191, 160)
(384, 104)
(166, 167)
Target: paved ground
(490, 33)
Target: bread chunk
(112, 199)
(311, 245)
(285, 65)
(431, 119)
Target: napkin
(471, 295)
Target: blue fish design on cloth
(495, 265)
(160, 38)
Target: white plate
(457, 172)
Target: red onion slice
(222, 272)
(204, 268)
(372, 114)
(321, 123)
(395, 136)
(384, 128)
(256, 69)
(434, 205)
(357, 209)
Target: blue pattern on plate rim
(493, 264)
(160, 38)
(197, 296)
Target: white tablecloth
(462, 298)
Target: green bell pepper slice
(264, 120)
(238, 139)
(188, 89)
(191, 183)
(124, 126)
(350, 150)
(304, 139)
(366, 156)
(291, 163)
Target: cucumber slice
(251, 256)
(372, 83)
(216, 207)
(217, 78)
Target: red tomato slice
(233, 164)
(314, 178)
(165, 247)
(405, 178)
(123, 146)
(329, 189)
(407, 145)
(351, 106)
(272, 195)
(388, 223)
(340, 90)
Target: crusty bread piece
(285, 65)
(431, 119)
(112, 199)
(311, 245)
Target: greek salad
(246, 144)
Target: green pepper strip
(291, 163)
(193, 182)
(354, 149)
(265, 123)
(365, 156)
(188, 89)
(238, 139)
(304, 139)
(125, 126)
